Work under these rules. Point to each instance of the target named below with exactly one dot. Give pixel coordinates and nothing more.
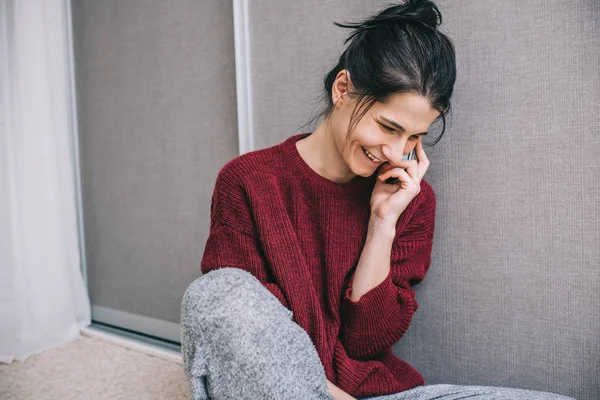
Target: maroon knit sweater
(302, 235)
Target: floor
(93, 369)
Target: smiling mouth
(371, 157)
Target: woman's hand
(337, 393)
(388, 201)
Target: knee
(228, 296)
(212, 287)
(225, 290)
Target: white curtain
(43, 297)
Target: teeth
(371, 156)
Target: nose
(394, 150)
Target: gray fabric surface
(239, 342)
(457, 392)
(511, 297)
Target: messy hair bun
(397, 50)
(424, 13)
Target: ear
(341, 85)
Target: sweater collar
(293, 157)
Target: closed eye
(387, 128)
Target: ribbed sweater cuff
(377, 320)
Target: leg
(239, 342)
(455, 392)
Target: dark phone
(409, 156)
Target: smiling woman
(311, 259)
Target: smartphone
(409, 156)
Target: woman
(311, 255)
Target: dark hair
(397, 50)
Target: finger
(407, 183)
(402, 164)
(409, 166)
(413, 170)
(405, 180)
(422, 157)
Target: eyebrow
(398, 126)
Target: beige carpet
(92, 369)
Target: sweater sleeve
(232, 241)
(382, 315)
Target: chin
(364, 172)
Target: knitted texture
(301, 235)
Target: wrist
(381, 227)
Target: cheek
(369, 135)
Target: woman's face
(387, 130)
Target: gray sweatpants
(239, 342)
